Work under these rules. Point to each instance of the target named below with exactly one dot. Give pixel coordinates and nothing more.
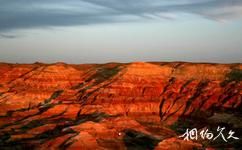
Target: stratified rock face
(27, 85)
(116, 106)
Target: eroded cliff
(117, 106)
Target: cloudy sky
(97, 31)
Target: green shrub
(233, 75)
(103, 74)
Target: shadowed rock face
(117, 106)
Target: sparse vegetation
(103, 74)
(54, 96)
(47, 103)
(233, 75)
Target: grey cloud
(24, 14)
(7, 36)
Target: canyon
(122, 106)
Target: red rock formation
(114, 106)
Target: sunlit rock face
(116, 106)
(28, 85)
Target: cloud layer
(23, 14)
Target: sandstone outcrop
(116, 106)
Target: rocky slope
(117, 106)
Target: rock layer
(115, 106)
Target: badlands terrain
(132, 106)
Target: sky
(100, 31)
